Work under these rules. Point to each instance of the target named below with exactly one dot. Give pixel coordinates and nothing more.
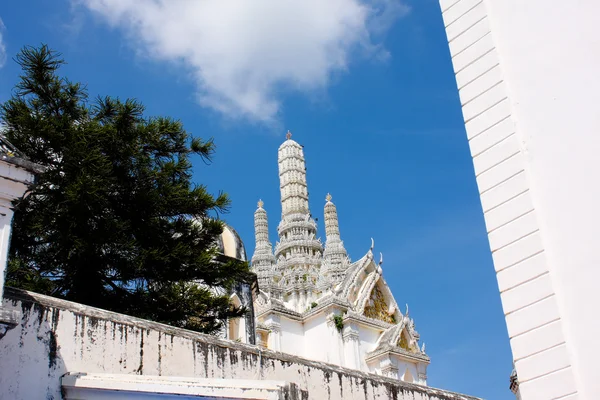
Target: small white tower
(263, 259)
(335, 257)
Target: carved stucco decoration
(377, 307)
(367, 291)
(262, 302)
(400, 337)
(353, 274)
(406, 343)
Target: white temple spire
(292, 178)
(298, 252)
(332, 228)
(263, 259)
(261, 227)
(334, 247)
(335, 257)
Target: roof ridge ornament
(288, 135)
(260, 203)
(328, 197)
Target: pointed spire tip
(260, 204)
(328, 197)
(288, 135)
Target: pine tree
(114, 221)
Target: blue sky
(365, 85)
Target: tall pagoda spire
(263, 259)
(335, 257)
(292, 178)
(298, 251)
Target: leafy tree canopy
(114, 221)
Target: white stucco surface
(294, 332)
(56, 337)
(318, 339)
(368, 340)
(527, 78)
(127, 387)
(14, 181)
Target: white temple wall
(55, 337)
(368, 339)
(318, 340)
(527, 73)
(292, 336)
(315, 339)
(6, 215)
(321, 340)
(406, 369)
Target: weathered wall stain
(56, 337)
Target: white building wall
(292, 336)
(368, 340)
(321, 341)
(14, 181)
(527, 73)
(317, 339)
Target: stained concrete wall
(55, 337)
(527, 78)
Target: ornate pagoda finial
(288, 135)
(334, 256)
(263, 259)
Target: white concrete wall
(127, 387)
(55, 337)
(527, 73)
(292, 336)
(14, 181)
(368, 339)
(321, 342)
(405, 368)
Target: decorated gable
(378, 308)
(406, 343)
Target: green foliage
(313, 304)
(115, 220)
(338, 320)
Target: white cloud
(243, 53)
(2, 46)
